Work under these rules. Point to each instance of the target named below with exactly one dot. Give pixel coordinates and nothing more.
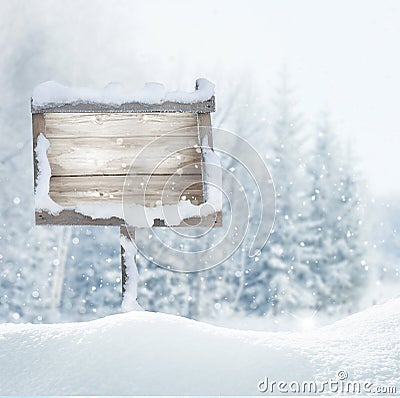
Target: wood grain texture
(115, 156)
(141, 190)
(132, 107)
(77, 125)
(105, 145)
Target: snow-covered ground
(151, 353)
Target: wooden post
(127, 232)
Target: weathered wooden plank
(103, 156)
(142, 190)
(78, 125)
(132, 107)
(70, 217)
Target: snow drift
(150, 353)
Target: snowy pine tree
(329, 239)
(270, 284)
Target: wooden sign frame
(70, 217)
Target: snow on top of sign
(53, 93)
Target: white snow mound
(156, 354)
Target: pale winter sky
(343, 56)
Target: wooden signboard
(92, 146)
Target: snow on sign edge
(42, 198)
(53, 93)
(134, 215)
(129, 299)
